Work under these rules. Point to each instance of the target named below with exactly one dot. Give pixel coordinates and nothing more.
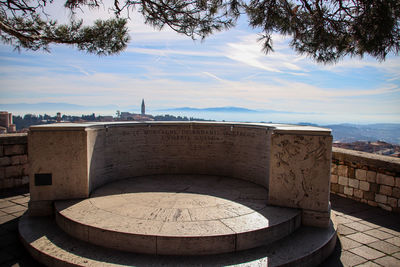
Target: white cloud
(248, 51)
(168, 51)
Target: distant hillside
(229, 110)
(348, 133)
(216, 109)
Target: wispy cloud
(167, 51)
(248, 51)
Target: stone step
(48, 244)
(177, 215)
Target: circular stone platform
(177, 214)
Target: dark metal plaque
(43, 179)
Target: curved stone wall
(125, 151)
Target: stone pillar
(58, 166)
(300, 174)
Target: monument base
(177, 215)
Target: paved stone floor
(368, 236)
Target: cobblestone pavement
(368, 236)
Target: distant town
(345, 136)
(378, 147)
(19, 124)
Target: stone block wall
(14, 171)
(367, 178)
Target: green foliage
(105, 37)
(324, 30)
(329, 30)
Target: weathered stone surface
(358, 193)
(385, 179)
(13, 159)
(396, 192)
(343, 170)
(40, 208)
(354, 183)
(63, 154)
(343, 180)
(53, 247)
(371, 176)
(373, 161)
(185, 215)
(25, 169)
(372, 203)
(10, 150)
(5, 161)
(19, 159)
(385, 190)
(300, 166)
(352, 173)
(335, 188)
(374, 187)
(381, 198)
(316, 218)
(13, 139)
(2, 173)
(334, 169)
(369, 195)
(361, 174)
(13, 171)
(348, 191)
(228, 150)
(364, 185)
(341, 189)
(392, 202)
(334, 179)
(25, 180)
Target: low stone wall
(367, 178)
(14, 170)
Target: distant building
(377, 147)
(105, 118)
(143, 108)
(3, 130)
(127, 116)
(58, 116)
(6, 121)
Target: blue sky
(227, 69)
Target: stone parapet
(366, 177)
(14, 168)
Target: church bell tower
(143, 108)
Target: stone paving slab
(12, 252)
(368, 236)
